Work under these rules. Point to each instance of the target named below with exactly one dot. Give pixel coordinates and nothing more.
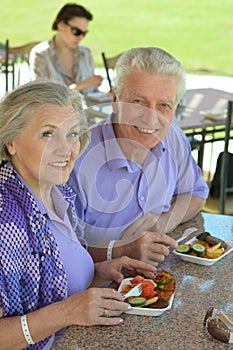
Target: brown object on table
(218, 330)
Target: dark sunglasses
(76, 31)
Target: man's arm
(183, 208)
(150, 247)
(146, 238)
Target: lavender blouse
(41, 259)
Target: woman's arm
(84, 308)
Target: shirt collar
(60, 204)
(114, 155)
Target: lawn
(197, 32)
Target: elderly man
(137, 180)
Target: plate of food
(204, 249)
(156, 297)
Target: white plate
(144, 311)
(203, 261)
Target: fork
(135, 291)
(186, 233)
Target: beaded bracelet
(25, 330)
(109, 250)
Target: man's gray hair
(150, 59)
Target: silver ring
(105, 313)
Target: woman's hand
(95, 306)
(93, 81)
(119, 268)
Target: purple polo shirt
(113, 191)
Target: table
(201, 130)
(197, 288)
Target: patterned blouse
(44, 63)
(31, 272)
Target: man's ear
(10, 145)
(114, 103)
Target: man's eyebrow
(168, 101)
(138, 95)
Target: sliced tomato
(136, 280)
(148, 289)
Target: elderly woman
(44, 270)
(63, 58)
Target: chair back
(5, 64)
(18, 57)
(109, 63)
(224, 189)
(220, 199)
(22, 50)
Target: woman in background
(63, 58)
(44, 270)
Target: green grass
(197, 32)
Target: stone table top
(180, 328)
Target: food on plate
(205, 246)
(155, 293)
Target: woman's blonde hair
(16, 106)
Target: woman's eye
(73, 134)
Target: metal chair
(11, 60)
(19, 55)
(224, 203)
(110, 63)
(6, 66)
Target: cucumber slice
(183, 248)
(199, 249)
(154, 283)
(202, 236)
(136, 302)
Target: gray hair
(151, 59)
(15, 109)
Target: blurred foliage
(199, 33)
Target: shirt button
(142, 198)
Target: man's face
(145, 108)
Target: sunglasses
(218, 325)
(76, 31)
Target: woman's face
(73, 31)
(46, 149)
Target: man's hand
(150, 247)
